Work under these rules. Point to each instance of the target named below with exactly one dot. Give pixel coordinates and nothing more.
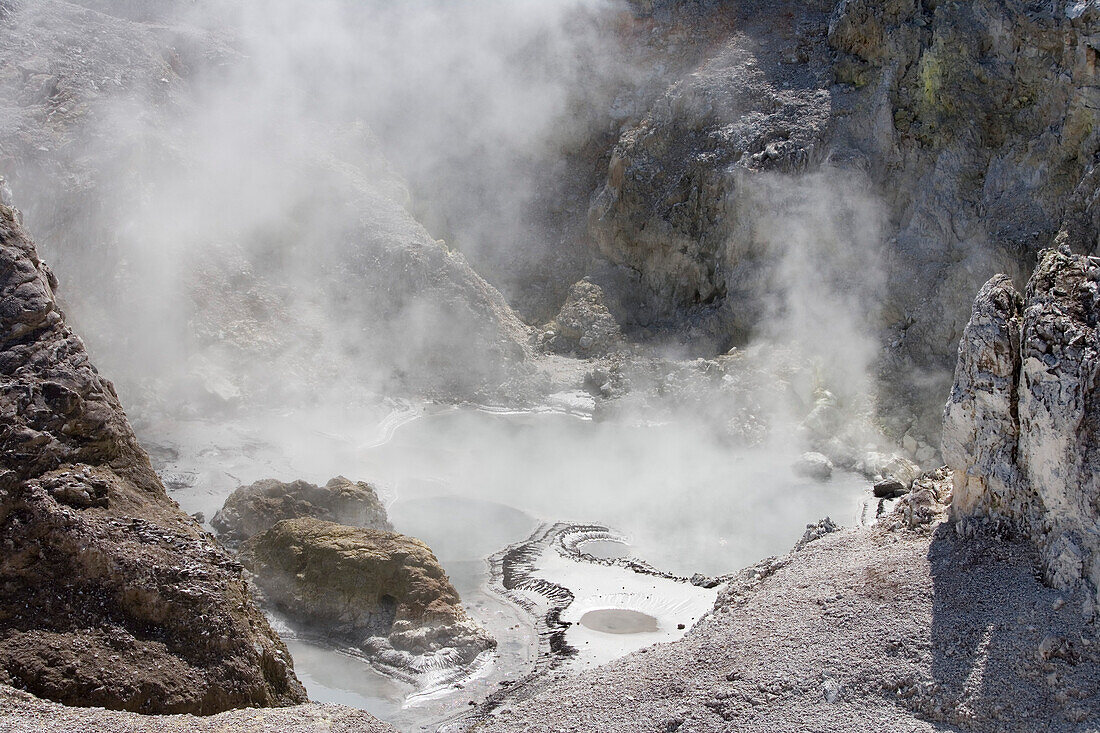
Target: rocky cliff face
(972, 126)
(111, 595)
(666, 215)
(979, 121)
(1022, 427)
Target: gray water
(686, 501)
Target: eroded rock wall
(978, 119)
(1022, 427)
(666, 213)
(111, 596)
(972, 125)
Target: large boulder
(1022, 427)
(382, 591)
(257, 507)
(111, 596)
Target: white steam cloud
(249, 237)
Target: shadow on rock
(1006, 650)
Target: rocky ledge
(111, 596)
(903, 626)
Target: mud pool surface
(469, 482)
(618, 621)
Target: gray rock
(889, 488)
(1022, 427)
(584, 325)
(256, 508)
(816, 531)
(814, 465)
(901, 470)
(831, 690)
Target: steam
(249, 190)
(825, 231)
(269, 192)
(286, 219)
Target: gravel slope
(23, 713)
(860, 630)
(910, 630)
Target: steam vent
(577, 365)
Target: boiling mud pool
(619, 621)
(687, 501)
(469, 482)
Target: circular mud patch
(604, 549)
(619, 621)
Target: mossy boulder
(383, 591)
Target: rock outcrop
(381, 591)
(978, 120)
(258, 507)
(1022, 427)
(584, 326)
(667, 211)
(111, 596)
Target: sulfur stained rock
(380, 590)
(257, 507)
(110, 596)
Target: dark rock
(889, 488)
(112, 596)
(816, 531)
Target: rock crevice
(1022, 427)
